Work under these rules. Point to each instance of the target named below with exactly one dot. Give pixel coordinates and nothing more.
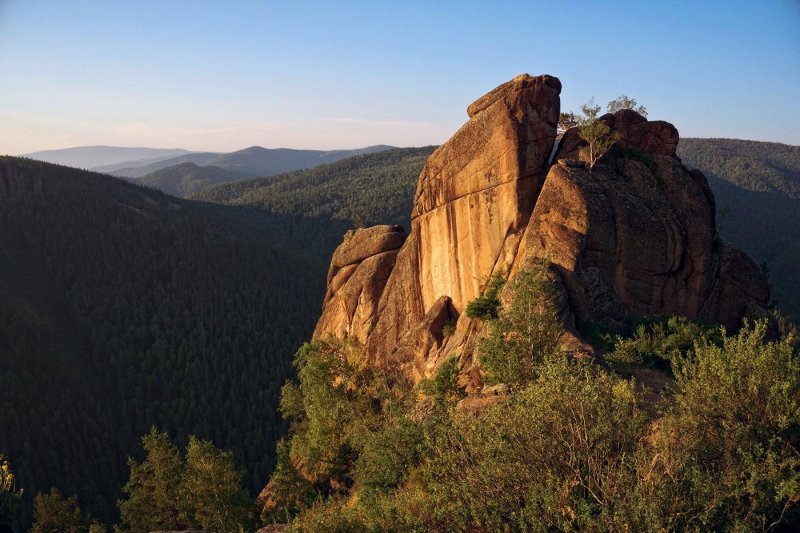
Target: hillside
(757, 190)
(187, 178)
(259, 161)
(253, 161)
(122, 308)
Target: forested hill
(366, 189)
(749, 165)
(757, 190)
(122, 308)
(186, 178)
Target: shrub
(637, 155)
(557, 455)
(657, 344)
(486, 306)
(526, 333)
(10, 497)
(449, 328)
(726, 456)
(445, 382)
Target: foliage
(557, 456)
(10, 496)
(623, 102)
(599, 140)
(212, 488)
(573, 446)
(590, 111)
(448, 328)
(186, 178)
(726, 456)
(153, 501)
(567, 120)
(318, 205)
(444, 383)
(636, 155)
(662, 342)
(486, 305)
(527, 332)
(169, 492)
(53, 512)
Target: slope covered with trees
(186, 178)
(123, 308)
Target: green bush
(486, 306)
(445, 382)
(636, 155)
(573, 447)
(657, 344)
(526, 333)
(556, 456)
(169, 492)
(726, 456)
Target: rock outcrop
(636, 235)
(359, 269)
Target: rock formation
(636, 235)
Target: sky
(221, 76)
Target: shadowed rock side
(636, 235)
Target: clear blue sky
(223, 75)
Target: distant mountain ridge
(142, 167)
(150, 164)
(135, 169)
(218, 168)
(91, 157)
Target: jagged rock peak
(636, 235)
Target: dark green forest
(123, 308)
(363, 190)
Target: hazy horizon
(222, 77)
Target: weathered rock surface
(636, 235)
(359, 269)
